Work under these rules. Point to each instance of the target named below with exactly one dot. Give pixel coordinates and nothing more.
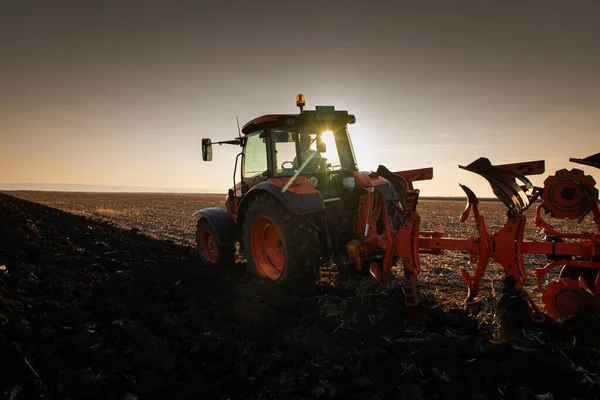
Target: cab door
(254, 169)
(255, 160)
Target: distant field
(169, 216)
(162, 216)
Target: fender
(221, 224)
(299, 197)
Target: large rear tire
(208, 249)
(280, 246)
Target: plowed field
(102, 296)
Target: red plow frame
(565, 195)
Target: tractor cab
(314, 144)
(301, 145)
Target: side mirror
(206, 149)
(321, 145)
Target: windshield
(302, 150)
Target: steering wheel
(287, 162)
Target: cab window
(255, 155)
(285, 151)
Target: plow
(298, 199)
(569, 194)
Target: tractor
(298, 199)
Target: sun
(331, 154)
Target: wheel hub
(267, 248)
(208, 246)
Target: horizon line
(8, 191)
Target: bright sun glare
(360, 146)
(331, 153)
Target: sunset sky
(118, 95)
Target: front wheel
(208, 249)
(278, 245)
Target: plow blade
(403, 180)
(526, 168)
(592, 161)
(412, 175)
(503, 180)
(471, 200)
(400, 183)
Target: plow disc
(565, 297)
(569, 194)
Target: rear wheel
(208, 249)
(278, 245)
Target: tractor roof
(266, 121)
(322, 113)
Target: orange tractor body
(298, 200)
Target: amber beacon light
(300, 101)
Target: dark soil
(89, 310)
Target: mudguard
(221, 224)
(299, 198)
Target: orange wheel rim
(267, 248)
(208, 246)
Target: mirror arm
(237, 142)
